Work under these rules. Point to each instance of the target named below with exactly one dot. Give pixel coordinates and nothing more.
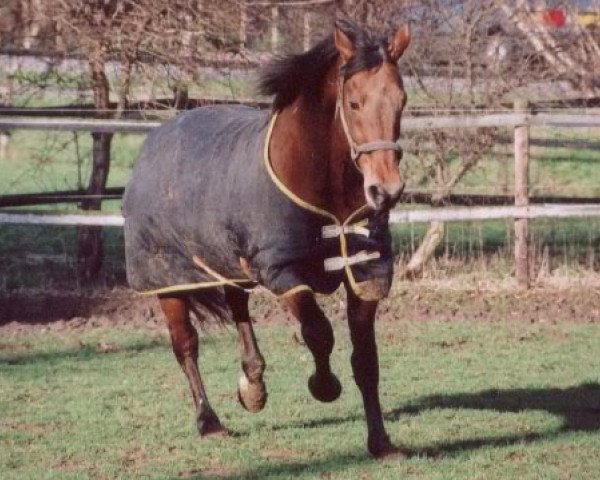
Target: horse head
(370, 101)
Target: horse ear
(343, 43)
(398, 43)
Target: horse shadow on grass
(578, 407)
(81, 352)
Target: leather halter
(357, 149)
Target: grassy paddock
(40, 162)
(470, 400)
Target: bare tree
(134, 35)
(571, 53)
(447, 71)
(466, 55)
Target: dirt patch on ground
(27, 310)
(423, 300)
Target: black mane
(290, 76)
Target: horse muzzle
(383, 196)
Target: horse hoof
(325, 389)
(211, 427)
(252, 396)
(384, 449)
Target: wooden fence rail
(408, 123)
(447, 214)
(520, 120)
(408, 197)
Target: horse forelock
(290, 76)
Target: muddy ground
(576, 300)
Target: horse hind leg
(184, 340)
(252, 392)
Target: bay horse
(295, 200)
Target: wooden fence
(522, 211)
(437, 122)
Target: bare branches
(571, 51)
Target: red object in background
(554, 17)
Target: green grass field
(39, 162)
(470, 400)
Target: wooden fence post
(522, 197)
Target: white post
(307, 31)
(274, 28)
(522, 198)
(243, 23)
(4, 138)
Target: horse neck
(310, 155)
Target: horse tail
(209, 306)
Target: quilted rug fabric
(203, 187)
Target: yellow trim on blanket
(281, 186)
(226, 281)
(294, 290)
(222, 281)
(312, 208)
(184, 287)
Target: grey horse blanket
(205, 209)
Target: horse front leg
(365, 366)
(318, 336)
(252, 392)
(184, 340)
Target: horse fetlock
(324, 387)
(252, 395)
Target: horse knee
(315, 327)
(318, 336)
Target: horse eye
(354, 105)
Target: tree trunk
(5, 135)
(90, 247)
(433, 237)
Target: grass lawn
(471, 400)
(40, 162)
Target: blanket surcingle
(203, 187)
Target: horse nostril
(378, 195)
(374, 191)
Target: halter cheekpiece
(357, 149)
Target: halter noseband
(356, 150)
